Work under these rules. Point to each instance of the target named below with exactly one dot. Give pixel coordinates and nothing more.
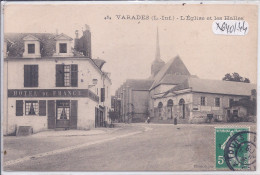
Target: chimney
(76, 41)
(77, 34)
(83, 44)
(87, 27)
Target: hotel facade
(51, 84)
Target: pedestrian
(175, 119)
(148, 120)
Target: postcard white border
(133, 173)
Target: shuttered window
(42, 108)
(102, 94)
(74, 75)
(59, 75)
(31, 107)
(30, 75)
(19, 107)
(66, 75)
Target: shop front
(51, 109)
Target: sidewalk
(51, 141)
(68, 133)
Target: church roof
(139, 84)
(215, 86)
(175, 79)
(173, 70)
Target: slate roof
(15, 43)
(215, 86)
(173, 70)
(139, 84)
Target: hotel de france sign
(51, 93)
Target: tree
(235, 77)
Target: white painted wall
(14, 69)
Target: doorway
(62, 114)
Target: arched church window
(170, 103)
(182, 109)
(160, 105)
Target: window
(235, 113)
(31, 107)
(31, 48)
(230, 102)
(202, 101)
(30, 75)
(63, 110)
(63, 48)
(217, 102)
(66, 75)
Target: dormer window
(31, 48)
(63, 46)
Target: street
(131, 147)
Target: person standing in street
(148, 120)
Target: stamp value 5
(235, 148)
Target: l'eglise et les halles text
(196, 18)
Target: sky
(128, 46)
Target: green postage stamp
(235, 148)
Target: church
(172, 92)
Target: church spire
(158, 63)
(157, 54)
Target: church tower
(158, 63)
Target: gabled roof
(139, 84)
(62, 36)
(216, 87)
(175, 79)
(15, 43)
(31, 38)
(174, 67)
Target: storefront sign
(18, 93)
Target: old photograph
(97, 87)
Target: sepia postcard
(129, 87)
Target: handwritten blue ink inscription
(230, 27)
